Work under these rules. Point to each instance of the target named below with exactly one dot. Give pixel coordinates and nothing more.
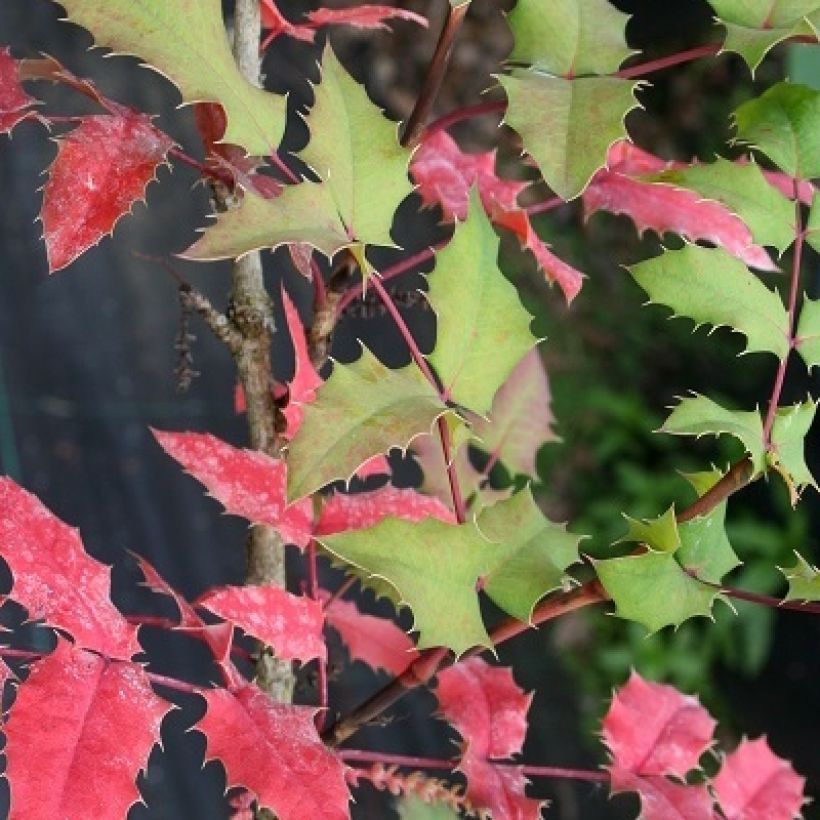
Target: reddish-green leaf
(246, 482)
(55, 579)
(80, 731)
(272, 749)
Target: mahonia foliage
(88, 712)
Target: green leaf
(569, 37)
(483, 330)
(813, 225)
(711, 286)
(654, 590)
(568, 125)
(791, 425)
(186, 42)
(700, 416)
(414, 808)
(657, 533)
(705, 548)
(355, 150)
(305, 213)
(743, 190)
(429, 566)
(538, 553)
(784, 123)
(362, 410)
(753, 27)
(808, 332)
(804, 580)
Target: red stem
(346, 585)
(411, 762)
(769, 601)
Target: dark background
(87, 360)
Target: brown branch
(435, 75)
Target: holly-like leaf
(79, 721)
(653, 589)
(712, 287)
(744, 191)
(362, 410)
(520, 420)
(356, 151)
(303, 213)
(808, 332)
(102, 168)
(705, 549)
(804, 580)
(700, 416)
(538, 553)
(664, 799)
(341, 512)
(483, 330)
(813, 224)
(429, 566)
(660, 534)
(15, 103)
(791, 425)
(784, 123)
(291, 624)
(246, 482)
(569, 37)
(186, 42)
(273, 750)
(378, 642)
(755, 783)
(55, 579)
(157, 584)
(567, 125)
(754, 27)
(489, 711)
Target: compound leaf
(362, 410)
(710, 286)
(567, 125)
(483, 330)
(804, 580)
(538, 554)
(700, 416)
(784, 123)
(569, 37)
(185, 41)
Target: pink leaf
(157, 584)
(242, 806)
(665, 208)
(377, 642)
(291, 624)
(485, 705)
(55, 579)
(273, 750)
(357, 512)
(626, 158)
(652, 729)
(275, 24)
(301, 254)
(15, 103)
(377, 465)
(363, 16)
(80, 722)
(246, 482)
(755, 784)
(499, 790)
(663, 799)
(102, 168)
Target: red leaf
(242, 805)
(485, 705)
(363, 16)
(499, 789)
(305, 379)
(377, 642)
(102, 168)
(357, 512)
(665, 208)
(246, 482)
(55, 579)
(273, 750)
(377, 465)
(755, 784)
(291, 624)
(156, 583)
(301, 254)
(275, 24)
(626, 158)
(652, 729)
(79, 723)
(445, 174)
(663, 799)
(15, 103)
